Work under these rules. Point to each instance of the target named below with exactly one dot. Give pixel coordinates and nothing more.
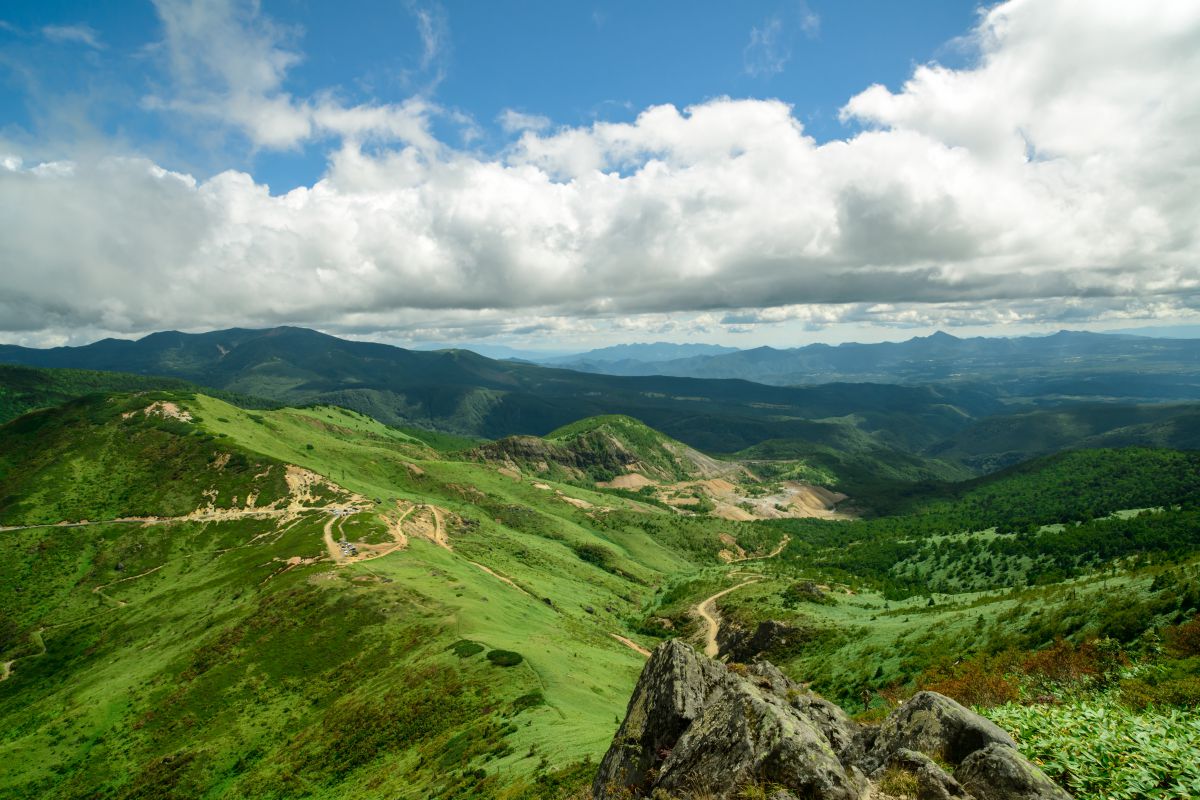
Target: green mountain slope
(1002, 440)
(230, 646)
(24, 389)
(839, 454)
(602, 448)
(461, 392)
(307, 602)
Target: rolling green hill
(600, 449)
(24, 389)
(230, 648)
(839, 454)
(999, 441)
(855, 436)
(204, 600)
(460, 392)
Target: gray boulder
(843, 734)
(997, 772)
(675, 686)
(749, 734)
(694, 724)
(937, 726)
(932, 781)
(696, 727)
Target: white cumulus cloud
(1053, 179)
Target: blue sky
(572, 63)
(566, 175)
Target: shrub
(504, 658)
(1064, 662)
(1141, 694)
(526, 701)
(465, 648)
(596, 554)
(979, 681)
(1184, 640)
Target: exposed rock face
(675, 686)
(692, 723)
(932, 781)
(934, 724)
(698, 727)
(1000, 773)
(743, 646)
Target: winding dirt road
(335, 551)
(707, 610)
(439, 528)
(772, 554)
(708, 613)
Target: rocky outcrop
(932, 781)
(695, 727)
(1000, 773)
(675, 687)
(741, 645)
(934, 724)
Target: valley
(207, 597)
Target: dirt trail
(729, 558)
(632, 645)
(121, 603)
(707, 609)
(772, 554)
(8, 665)
(335, 552)
(219, 515)
(779, 549)
(499, 577)
(439, 528)
(708, 612)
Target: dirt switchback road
(708, 612)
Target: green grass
(230, 658)
(212, 669)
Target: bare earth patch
(164, 408)
(630, 480)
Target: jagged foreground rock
(698, 728)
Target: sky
(549, 175)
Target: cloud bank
(1054, 179)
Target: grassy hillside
(25, 389)
(305, 602)
(460, 392)
(227, 653)
(599, 449)
(1006, 439)
(839, 454)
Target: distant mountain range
(931, 408)
(462, 392)
(1066, 364)
(640, 352)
